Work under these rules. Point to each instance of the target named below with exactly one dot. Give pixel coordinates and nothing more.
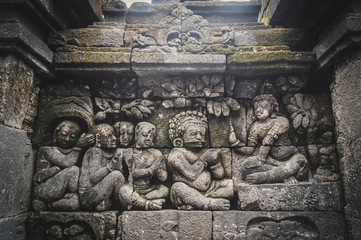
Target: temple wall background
(162, 72)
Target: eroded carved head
(144, 135)
(104, 136)
(188, 129)
(67, 134)
(265, 106)
(124, 131)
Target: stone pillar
(16, 82)
(339, 49)
(346, 98)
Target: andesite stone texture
(278, 225)
(15, 187)
(166, 224)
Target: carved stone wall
(179, 120)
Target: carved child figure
(125, 131)
(57, 185)
(101, 177)
(198, 175)
(146, 168)
(270, 163)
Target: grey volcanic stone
(72, 225)
(346, 105)
(16, 79)
(13, 227)
(16, 171)
(278, 225)
(144, 64)
(287, 197)
(165, 224)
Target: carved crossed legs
(290, 172)
(185, 197)
(152, 198)
(60, 191)
(99, 196)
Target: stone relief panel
(185, 142)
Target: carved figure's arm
(55, 157)
(190, 171)
(161, 170)
(97, 172)
(142, 172)
(217, 171)
(45, 174)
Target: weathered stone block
(145, 64)
(255, 64)
(106, 35)
(278, 225)
(166, 224)
(80, 61)
(75, 225)
(16, 171)
(16, 79)
(13, 227)
(287, 197)
(350, 154)
(346, 100)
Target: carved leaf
(170, 87)
(136, 113)
(233, 104)
(225, 109)
(102, 104)
(210, 108)
(168, 104)
(100, 116)
(297, 121)
(292, 109)
(217, 108)
(215, 79)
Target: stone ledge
(269, 63)
(345, 36)
(145, 64)
(278, 225)
(81, 61)
(299, 197)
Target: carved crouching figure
(56, 185)
(270, 163)
(146, 169)
(101, 177)
(197, 174)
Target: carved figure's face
(67, 134)
(194, 136)
(106, 138)
(145, 135)
(262, 109)
(126, 131)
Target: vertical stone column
(346, 98)
(16, 158)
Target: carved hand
(85, 140)
(211, 156)
(253, 162)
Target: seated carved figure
(56, 185)
(198, 174)
(269, 162)
(146, 169)
(101, 177)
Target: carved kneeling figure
(198, 175)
